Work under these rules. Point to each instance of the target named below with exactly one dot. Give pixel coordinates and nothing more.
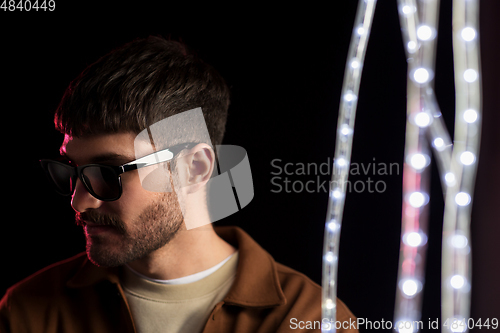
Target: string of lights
(418, 20)
(343, 148)
(425, 129)
(420, 38)
(456, 259)
(438, 136)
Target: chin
(104, 256)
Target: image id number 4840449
(28, 5)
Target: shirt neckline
(185, 279)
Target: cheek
(134, 197)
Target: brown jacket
(76, 296)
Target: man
(153, 261)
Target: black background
(285, 66)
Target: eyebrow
(110, 157)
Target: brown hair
(140, 83)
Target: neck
(189, 252)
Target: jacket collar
(256, 283)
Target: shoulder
(293, 278)
(38, 289)
(31, 297)
(286, 298)
(50, 278)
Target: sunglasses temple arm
(151, 159)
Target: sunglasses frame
(161, 156)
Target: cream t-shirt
(178, 305)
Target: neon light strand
(439, 138)
(425, 127)
(456, 260)
(419, 39)
(419, 29)
(345, 130)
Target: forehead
(84, 150)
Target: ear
(195, 167)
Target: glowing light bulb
(341, 162)
(438, 143)
(462, 199)
(404, 326)
(421, 75)
(354, 64)
(412, 239)
(349, 96)
(424, 32)
(333, 226)
(458, 241)
(470, 116)
(360, 30)
(408, 9)
(411, 46)
(457, 281)
(422, 119)
(460, 325)
(416, 199)
(467, 158)
(470, 75)
(449, 178)
(345, 130)
(329, 304)
(337, 194)
(418, 161)
(468, 34)
(410, 287)
(405, 329)
(330, 257)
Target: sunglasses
(102, 181)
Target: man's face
(131, 227)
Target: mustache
(100, 219)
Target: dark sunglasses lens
(103, 181)
(61, 176)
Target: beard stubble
(155, 227)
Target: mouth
(92, 229)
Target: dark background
(285, 67)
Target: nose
(82, 200)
